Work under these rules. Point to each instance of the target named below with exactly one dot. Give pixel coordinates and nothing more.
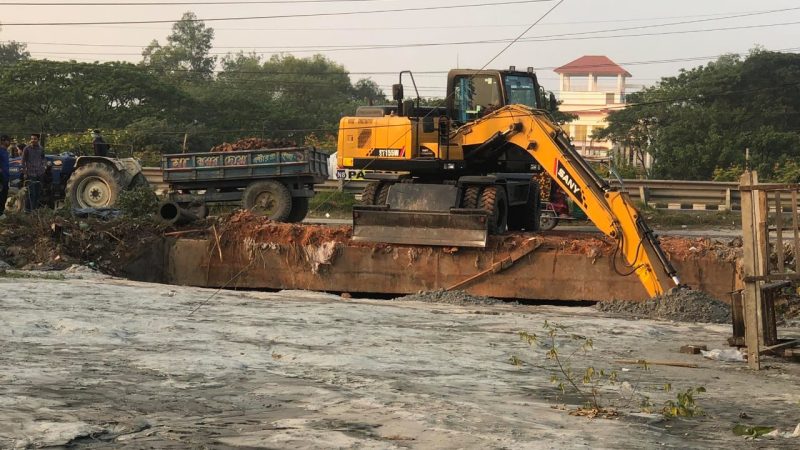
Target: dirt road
(99, 363)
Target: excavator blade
(421, 214)
(459, 228)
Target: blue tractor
(83, 181)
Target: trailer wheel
(299, 209)
(199, 209)
(94, 185)
(270, 199)
(493, 199)
(15, 202)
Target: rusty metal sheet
(544, 274)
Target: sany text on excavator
(458, 172)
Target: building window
(580, 132)
(609, 98)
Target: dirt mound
(56, 240)
(728, 250)
(244, 224)
(253, 144)
(682, 306)
(454, 297)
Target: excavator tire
(493, 199)
(369, 193)
(382, 194)
(471, 194)
(532, 213)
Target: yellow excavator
(453, 174)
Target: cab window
(473, 95)
(521, 90)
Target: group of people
(33, 168)
(34, 165)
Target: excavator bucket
(421, 215)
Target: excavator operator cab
(473, 94)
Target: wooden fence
(771, 239)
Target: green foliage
(13, 51)
(71, 96)
(786, 171)
(751, 431)
(326, 143)
(138, 202)
(731, 173)
(705, 118)
(585, 382)
(684, 404)
(336, 204)
(186, 56)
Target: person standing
(99, 144)
(5, 176)
(15, 150)
(33, 167)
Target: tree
(368, 92)
(704, 118)
(13, 51)
(66, 96)
(187, 52)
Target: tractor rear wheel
(270, 199)
(94, 185)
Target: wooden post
(728, 203)
(752, 226)
(796, 231)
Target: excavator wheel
(493, 199)
(471, 194)
(532, 213)
(382, 193)
(369, 193)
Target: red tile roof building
(590, 87)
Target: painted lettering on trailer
(569, 181)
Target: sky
(649, 38)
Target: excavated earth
(682, 305)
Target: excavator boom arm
(638, 250)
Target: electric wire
(277, 16)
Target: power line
(544, 38)
(439, 72)
(279, 16)
(162, 3)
